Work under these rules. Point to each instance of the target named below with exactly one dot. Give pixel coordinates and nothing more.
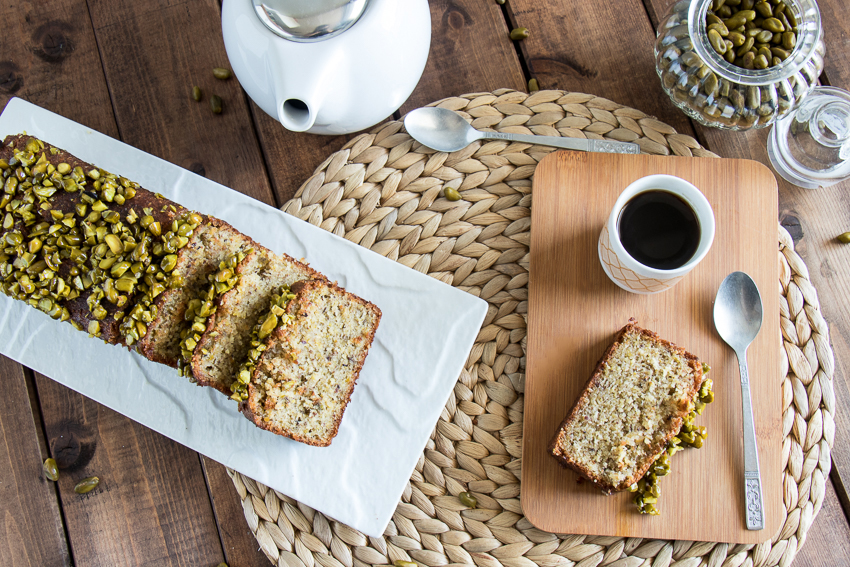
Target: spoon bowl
(738, 311)
(439, 129)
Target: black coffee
(659, 230)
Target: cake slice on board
(633, 408)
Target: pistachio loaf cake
(632, 412)
(308, 349)
(184, 289)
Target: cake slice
(211, 244)
(636, 401)
(219, 350)
(303, 374)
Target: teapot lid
(309, 20)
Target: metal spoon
(447, 131)
(737, 317)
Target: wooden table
(126, 69)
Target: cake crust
(566, 458)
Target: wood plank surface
(291, 157)
(836, 33)
(600, 48)
(151, 506)
(152, 54)
(575, 310)
(240, 546)
(126, 69)
(50, 58)
(159, 509)
(151, 64)
(470, 52)
(814, 218)
(828, 540)
(32, 531)
(53, 63)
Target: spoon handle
(754, 501)
(606, 146)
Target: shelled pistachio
(647, 490)
(51, 470)
(518, 34)
(764, 26)
(717, 96)
(86, 485)
(216, 104)
(468, 499)
(221, 73)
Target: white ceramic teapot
(327, 79)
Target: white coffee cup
(626, 271)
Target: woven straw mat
(385, 192)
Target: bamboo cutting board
(575, 311)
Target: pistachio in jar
(728, 70)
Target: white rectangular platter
(424, 338)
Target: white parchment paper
(425, 335)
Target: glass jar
(720, 94)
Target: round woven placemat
(384, 191)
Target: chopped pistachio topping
(111, 256)
(647, 489)
(199, 309)
(271, 319)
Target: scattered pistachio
(216, 104)
(467, 499)
(533, 86)
(86, 485)
(221, 73)
(647, 490)
(402, 562)
(199, 309)
(452, 194)
(518, 34)
(844, 238)
(51, 471)
(197, 94)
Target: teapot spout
(296, 115)
(297, 89)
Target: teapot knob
(309, 20)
